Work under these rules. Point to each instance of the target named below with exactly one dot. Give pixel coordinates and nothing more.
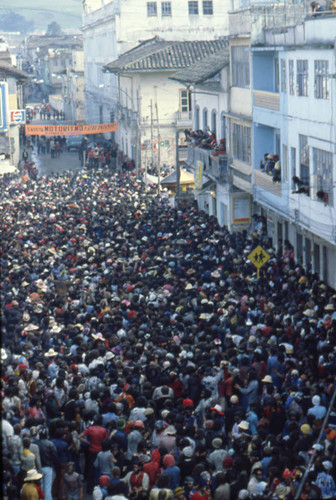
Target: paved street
(47, 165)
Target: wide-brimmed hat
(51, 353)
(217, 443)
(33, 475)
(309, 312)
(98, 336)
(31, 328)
(244, 425)
(282, 491)
(56, 329)
(109, 355)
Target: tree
(10, 21)
(54, 29)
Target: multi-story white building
(227, 111)
(281, 101)
(112, 27)
(294, 110)
(154, 109)
(73, 89)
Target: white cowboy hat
(33, 475)
(51, 353)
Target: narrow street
(47, 165)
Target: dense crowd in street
(143, 359)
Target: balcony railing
(265, 181)
(268, 100)
(213, 166)
(183, 117)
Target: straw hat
(98, 336)
(51, 353)
(244, 425)
(33, 475)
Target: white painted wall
(139, 91)
(112, 27)
(99, 44)
(315, 119)
(134, 25)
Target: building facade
(294, 109)
(11, 96)
(280, 104)
(155, 109)
(111, 28)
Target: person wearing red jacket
(94, 436)
(176, 384)
(152, 468)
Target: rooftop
(43, 41)
(7, 70)
(157, 54)
(205, 69)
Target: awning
(208, 186)
(8, 169)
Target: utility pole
(159, 150)
(177, 194)
(152, 144)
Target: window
(214, 123)
(277, 76)
(151, 9)
(302, 77)
(321, 82)
(207, 8)
(304, 159)
(241, 143)
(284, 163)
(323, 170)
(197, 118)
(193, 8)
(291, 76)
(166, 10)
(240, 67)
(293, 164)
(223, 127)
(205, 120)
(185, 101)
(283, 76)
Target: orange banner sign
(99, 128)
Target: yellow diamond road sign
(258, 257)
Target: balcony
(268, 100)
(241, 175)
(215, 167)
(265, 181)
(183, 118)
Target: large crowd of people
(142, 358)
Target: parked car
(74, 142)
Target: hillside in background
(17, 15)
